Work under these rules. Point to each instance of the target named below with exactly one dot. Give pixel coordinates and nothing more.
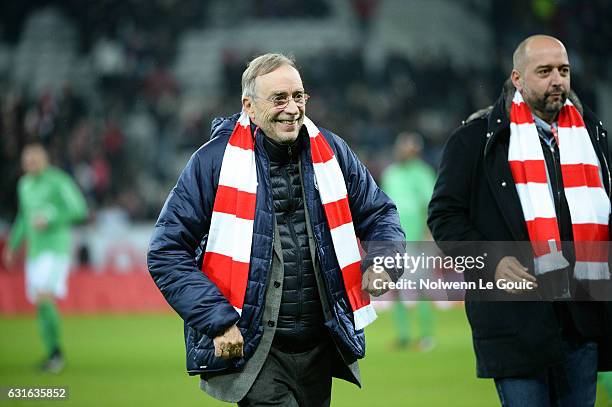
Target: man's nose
(292, 107)
(556, 78)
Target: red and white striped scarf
(587, 200)
(227, 257)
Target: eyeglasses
(281, 101)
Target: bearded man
(533, 168)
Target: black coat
(475, 200)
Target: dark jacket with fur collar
(475, 200)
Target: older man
(256, 249)
(533, 168)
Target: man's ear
(247, 106)
(515, 76)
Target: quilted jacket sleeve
(182, 225)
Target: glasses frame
(284, 103)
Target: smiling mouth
(288, 122)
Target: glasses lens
(281, 102)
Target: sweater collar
(283, 153)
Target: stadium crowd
(125, 135)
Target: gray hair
(262, 65)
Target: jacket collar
(283, 153)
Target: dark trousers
(293, 379)
(570, 384)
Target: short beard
(543, 105)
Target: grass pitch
(133, 360)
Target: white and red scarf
(227, 258)
(587, 200)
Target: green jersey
(410, 185)
(51, 195)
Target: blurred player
(49, 204)
(409, 183)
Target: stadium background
(122, 92)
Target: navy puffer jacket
(181, 233)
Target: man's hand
(229, 344)
(382, 279)
(511, 270)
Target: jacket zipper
(326, 290)
(290, 218)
